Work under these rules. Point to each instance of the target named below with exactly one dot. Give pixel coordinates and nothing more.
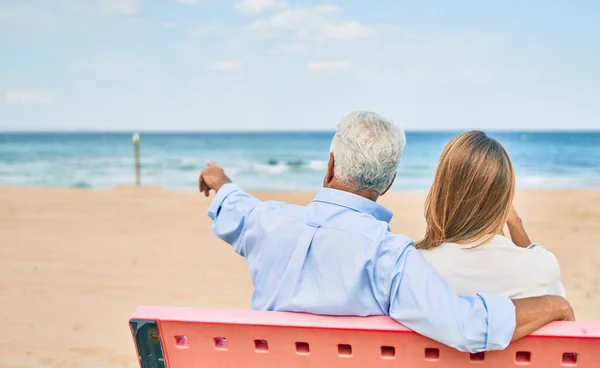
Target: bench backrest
(186, 338)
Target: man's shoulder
(391, 249)
(281, 204)
(398, 240)
(368, 227)
(280, 208)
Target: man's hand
(212, 178)
(568, 314)
(533, 313)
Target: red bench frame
(173, 337)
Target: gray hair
(367, 149)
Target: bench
(172, 337)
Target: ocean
(270, 161)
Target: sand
(75, 263)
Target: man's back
(336, 256)
(320, 258)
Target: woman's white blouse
(497, 267)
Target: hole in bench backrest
(477, 357)
(388, 352)
(432, 354)
(302, 348)
(182, 342)
(261, 346)
(221, 343)
(569, 359)
(345, 350)
(523, 357)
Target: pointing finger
(201, 184)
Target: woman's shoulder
(499, 252)
(497, 266)
(495, 244)
(441, 250)
(539, 269)
(535, 254)
(535, 251)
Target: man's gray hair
(367, 149)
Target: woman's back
(497, 267)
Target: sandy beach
(75, 263)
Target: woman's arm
(516, 229)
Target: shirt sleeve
(229, 211)
(421, 300)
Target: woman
(467, 207)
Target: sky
(218, 65)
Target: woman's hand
(516, 229)
(513, 217)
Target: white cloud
(257, 6)
(311, 24)
(28, 98)
(326, 8)
(127, 7)
(328, 66)
(425, 75)
(226, 65)
(347, 30)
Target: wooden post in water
(136, 151)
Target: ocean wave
(556, 182)
(82, 184)
(271, 168)
(189, 167)
(276, 167)
(317, 165)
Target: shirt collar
(353, 202)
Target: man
(337, 255)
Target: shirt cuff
(224, 192)
(501, 321)
(535, 245)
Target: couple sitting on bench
(465, 284)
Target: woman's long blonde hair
(472, 192)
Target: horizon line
(260, 131)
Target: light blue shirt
(337, 256)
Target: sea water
(270, 160)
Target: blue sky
(294, 65)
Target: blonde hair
(472, 192)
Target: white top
(497, 267)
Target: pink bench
(189, 338)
